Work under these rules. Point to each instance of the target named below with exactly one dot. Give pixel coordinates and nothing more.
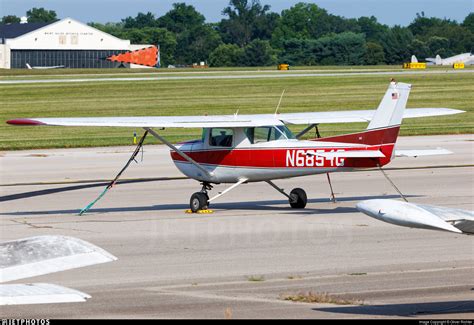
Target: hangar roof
(16, 29)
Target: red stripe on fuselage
(285, 157)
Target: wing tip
(24, 121)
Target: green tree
(195, 40)
(41, 15)
(345, 48)
(469, 22)
(181, 18)
(439, 45)
(196, 44)
(115, 29)
(140, 21)
(259, 53)
(372, 29)
(301, 51)
(247, 20)
(226, 55)
(10, 19)
(396, 43)
(374, 54)
(420, 49)
(421, 25)
(302, 21)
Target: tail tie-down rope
(114, 181)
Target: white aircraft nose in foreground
(419, 216)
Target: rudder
(391, 108)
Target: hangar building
(67, 42)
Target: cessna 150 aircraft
(241, 149)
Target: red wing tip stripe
(24, 121)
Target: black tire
(198, 202)
(299, 198)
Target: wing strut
(307, 129)
(179, 152)
(392, 183)
(299, 135)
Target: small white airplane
(34, 256)
(239, 149)
(419, 215)
(466, 58)
(44, 68)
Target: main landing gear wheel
(298, 198)
(198, 201)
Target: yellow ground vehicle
(414, 65)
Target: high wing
(229, 120)
(41, 255)
(419, 215)
(358, 116)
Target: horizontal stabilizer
(40, 255)
(422, 152)
(38, 293)
(350, 154)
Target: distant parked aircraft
(466, 58)
(419, 215)
(39, 67)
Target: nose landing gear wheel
(298, 198)
(198, 202)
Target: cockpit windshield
(268, 133)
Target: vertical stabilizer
(438, 60)
(414, 59)
(392, 106)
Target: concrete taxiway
(246, 75)
(242, 260)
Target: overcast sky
(400, 12)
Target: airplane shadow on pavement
(269, 205)
(406, 310)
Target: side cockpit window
(221, 137)
(268, 133)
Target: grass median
(225, 96)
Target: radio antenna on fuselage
(279, 102)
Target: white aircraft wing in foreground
(41, 255)
(419, 215)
